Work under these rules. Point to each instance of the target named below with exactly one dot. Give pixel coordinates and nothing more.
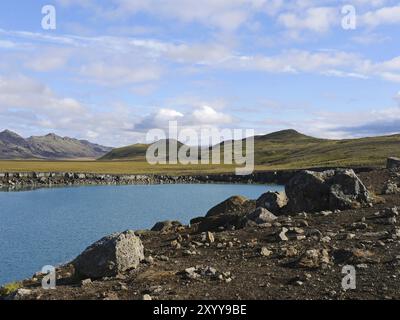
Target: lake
(52, 226)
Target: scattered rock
(312, 259)
(149, 260)
(147, 297)
(86, 282)
(265, 252)
(166, 226)
(22, 294)
(110, 256)
(208, 237)
(393, 163)
(195, 273)
(261, 216)
(353, 256)
(391, 188)
(282, 235)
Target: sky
(112, 70)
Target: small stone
(149, 260)
(326, 239)
(147, 297)
(208, 237)
(282, 235)
(265, 252)
(86, 282)
(163, 258)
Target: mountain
(51, 146)
(291, 149)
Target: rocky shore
(31, 180)
(299, 244)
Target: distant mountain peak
(9, 133)
(287, 134)
(50, 146)
(52, 135)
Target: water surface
(52, 226)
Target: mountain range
(284, 149)
(51, 146)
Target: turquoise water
(52, 226)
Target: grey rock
(273, 202)
(110, 256)
(261, 216)
(310, 191)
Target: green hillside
(290, 149)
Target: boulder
(236, 205)
(221, 222)
(110, 256)
(166, 226)
(196, 220)
(229, 214)
(261, 216)
(340, 189)
(273, 201)
(393, 163)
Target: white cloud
(382, 16)
(115, 74)
(49, 59)
(203, 116)
(318, 19)
(208, 116)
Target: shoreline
(34, 180)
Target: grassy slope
(282, 150)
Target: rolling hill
(291, 149)
(51, 146)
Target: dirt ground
(253, 263)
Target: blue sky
(111, 70)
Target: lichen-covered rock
(110, 256)
(340, 189)
(273, 202)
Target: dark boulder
(221, 222)
(237, 205)
(340, 189)
(393, 163)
